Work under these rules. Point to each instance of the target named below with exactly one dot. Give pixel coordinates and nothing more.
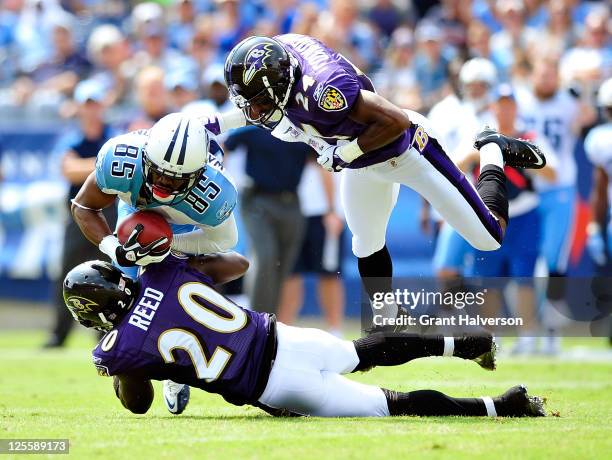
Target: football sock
(434, 403)
(384, 349)
(491, 154)
(492, 189)
(376, 271)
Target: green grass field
(58, 394)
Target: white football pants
(305, 377)
(369, 194)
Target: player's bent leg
(368, 201)
(317, 349)
(347, 398)
(427, 169)
(396, 349)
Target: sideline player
(172, 324)
(598, 146)
(554, 113)
(308, 93)
(171, 170)
(516, 259)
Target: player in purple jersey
(172, 324)
(306, 92)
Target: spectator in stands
(109, 50)
(9, 15)
(560, 32)
(478, 42)
(270, 210)
(203, 48)
(453, 18)
(514, 36)
(340, 29)
(396, 80)
(182, 88)
(430, 64)
(230, 26)
(33, 32)
(182, 27)
(386, 17)
(151, 33)
(53, 80)
(306, 19)
(153, 98)
(321, 250)
(589, 63)
(282, 14)
(213, 84)
(80, 150)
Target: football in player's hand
(155, 227)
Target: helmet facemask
(167, 187)
(266, 107)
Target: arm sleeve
(206, 240)
(220, 123)
(234, 140)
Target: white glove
(330, 161)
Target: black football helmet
(98, 294)
(259, 73)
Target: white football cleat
(176, 396)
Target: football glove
(132, 253)
(330, 160)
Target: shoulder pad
(119, 162)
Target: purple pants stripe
(435, 154)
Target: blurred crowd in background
(115, 65)
(409, 47)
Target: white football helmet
(174, 157)
(478, 70)
(477, 76)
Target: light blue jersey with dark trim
(119, 172)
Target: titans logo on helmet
(255, 61)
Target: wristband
(230, 120)
(109, 245)
(78, 205)
(349, 152)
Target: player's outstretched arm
(136, 394)
(87, 210)
(221, 267)
(385, 121)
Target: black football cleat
(518, 153)
(487, 359)
(517, 403)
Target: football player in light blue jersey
(172, 170)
